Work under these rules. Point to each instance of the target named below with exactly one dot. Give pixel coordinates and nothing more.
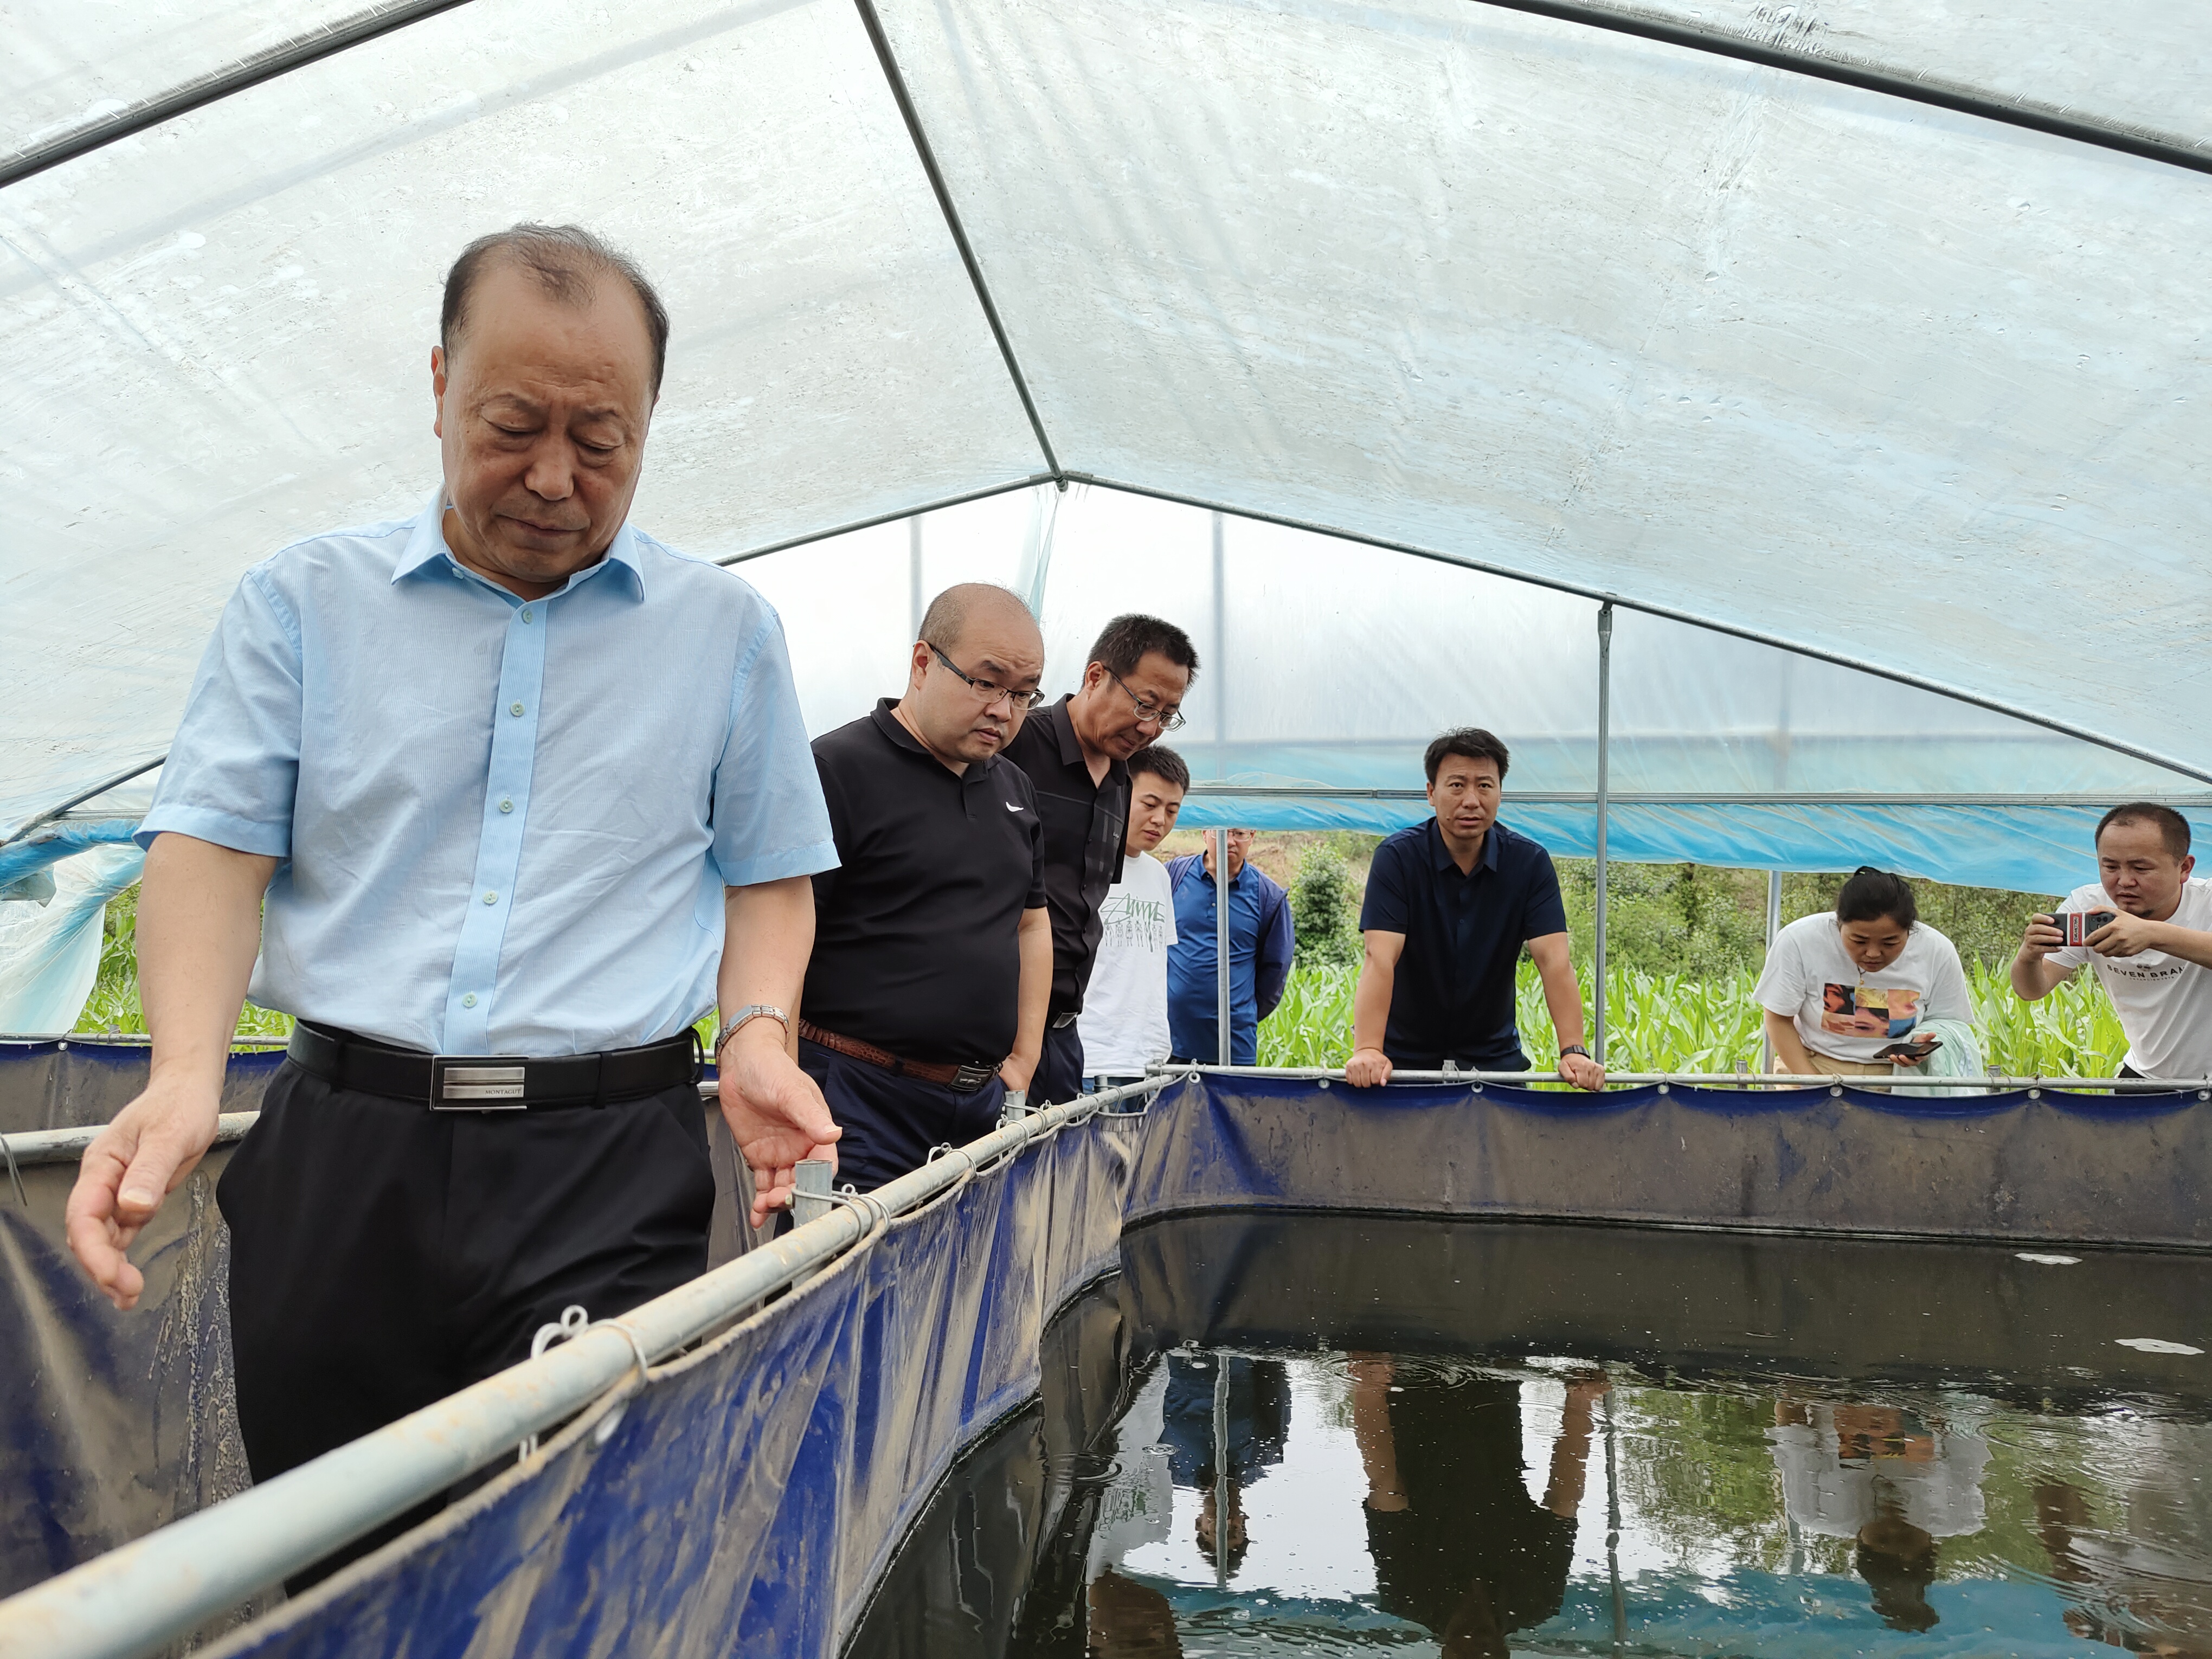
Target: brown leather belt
(962, 1079)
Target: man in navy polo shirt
(1450, 903)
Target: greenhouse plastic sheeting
(1909, 388)
(757, 1484)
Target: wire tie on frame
(14, 1179)
(575, 1321)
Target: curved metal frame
(380, 20)
(201, 90)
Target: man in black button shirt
(925, 997)
(1077, 752)
(1450, 903)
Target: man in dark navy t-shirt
(1450, 903)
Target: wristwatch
(1574, 1049)
(744, 1017)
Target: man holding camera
(2146, 931)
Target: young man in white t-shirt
(2154, 955)
(1124, 1022)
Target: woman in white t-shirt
(1845, 993)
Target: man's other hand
(142, 1156)
(2041, 935)
(2126, 935)
(776, 1115)
(1015, 1070)
(1369, 1067)
(1583, 1072)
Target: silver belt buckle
(476, 1082)
(972, 1077)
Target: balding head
(944, 624)
(970, 676)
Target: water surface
(1310, 1435)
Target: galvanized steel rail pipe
(65, 1145)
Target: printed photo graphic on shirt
(1868, 1011)
(1134, 924)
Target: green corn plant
(1674, 1023)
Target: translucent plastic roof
(1898, 385)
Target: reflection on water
(1245, 1498)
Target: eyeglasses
(989, 691)
(1148, 712)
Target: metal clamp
(476, 1082)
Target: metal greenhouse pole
(1222, 1047)
(1604, 786)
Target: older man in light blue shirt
(522, 788)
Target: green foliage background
(1684, 942)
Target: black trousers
(1059, 1076)
(891, 1122)
(383, 1256)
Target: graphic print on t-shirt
(1868, 1011)
(1131, 923)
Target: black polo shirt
(1453, 996)
(917, 932)
(1085, 826)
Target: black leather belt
(493, 1083)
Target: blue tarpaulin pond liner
(750, 1493)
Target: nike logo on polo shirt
(1013, 807)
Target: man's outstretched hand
(1367, 1068)
(1583, 1072)
(142, 1156)
(776, 1115)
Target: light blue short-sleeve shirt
(505, 825)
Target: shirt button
(514, 708)
(506, 804)
(525, 613)
(490, 897)
(470, 1000)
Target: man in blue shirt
(1450, 903)
(1258, 953)
(509, 777)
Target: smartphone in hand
(1911, 1053)
(2075, 927)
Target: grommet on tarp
(1324, 1082)
(1663, 1088)
(1836, 1091)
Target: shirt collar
(426, 546)
(1063, 729)
(891, 726)
(1440, 855)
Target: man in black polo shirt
(925, 997)
(1075, 752)
(1450, 903)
